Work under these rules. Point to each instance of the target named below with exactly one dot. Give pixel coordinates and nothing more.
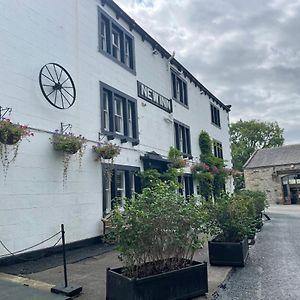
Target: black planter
(228, 253)
(185, 283)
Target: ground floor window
(187, 185)
(118, 182)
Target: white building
(120, 72)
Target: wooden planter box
(228, 253)
(185, 283)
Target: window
(104, 33)
(218, 150)
(215, 115)
(182, 138)
(124, 183)
(115, 42)
(187, 185)
(118, 114)
(116, 48)
(106, 97)
(119, 122)
(179, 89)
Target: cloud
(247, 53)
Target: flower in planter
(11, 135)
(68, 144)
(106, 151)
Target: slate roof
(284, 155)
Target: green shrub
(259, 198)
(230, 218)
(158, 226)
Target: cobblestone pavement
(272, 271)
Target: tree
(248, 136)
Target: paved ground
(90, 274)
(273, 268)
(16, 288)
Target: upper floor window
(115, 42)
(118, 114)
(215, 115)
(179, 89)
(218, 149)
(182, 138)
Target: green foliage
(205, 143)
(231, 217)
(158, 226)
(259, 200)
(176, 159)
(205, 180)
(248, 136)
(210, 173)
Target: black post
(64, 254)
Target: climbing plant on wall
(210, 172)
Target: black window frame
(129, 171)
(111, 25)
(183, 97)
(126, 100)
(186, 137)
(218, 149)
(215, 115)
(187, 185)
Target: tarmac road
(273, 268)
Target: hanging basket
(10, 133)
(67, 143)
(106, 151)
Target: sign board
(153, 97)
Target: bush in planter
(158, 231)
(230, 221)
(260, 203)
(11, 135)
(68, 144)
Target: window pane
(185, 94)
(119, 115)
(105, 110)
(130, 119)
(174, 85)
(120, 184)
(116, 45)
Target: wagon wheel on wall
(57, 86)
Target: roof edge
(250, 158)
(145, 36)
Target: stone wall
(265, 179)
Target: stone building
(277, 172)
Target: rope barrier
(28, 248)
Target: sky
(247, 53)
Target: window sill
(123, 138)
(133, 71)
(216, 125)
(177, 101)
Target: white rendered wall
(33, 200)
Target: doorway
(294, 195)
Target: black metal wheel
(57, 86)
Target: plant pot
(10, 139)
(228, 253)
(184, 283)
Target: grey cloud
(246, 52)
